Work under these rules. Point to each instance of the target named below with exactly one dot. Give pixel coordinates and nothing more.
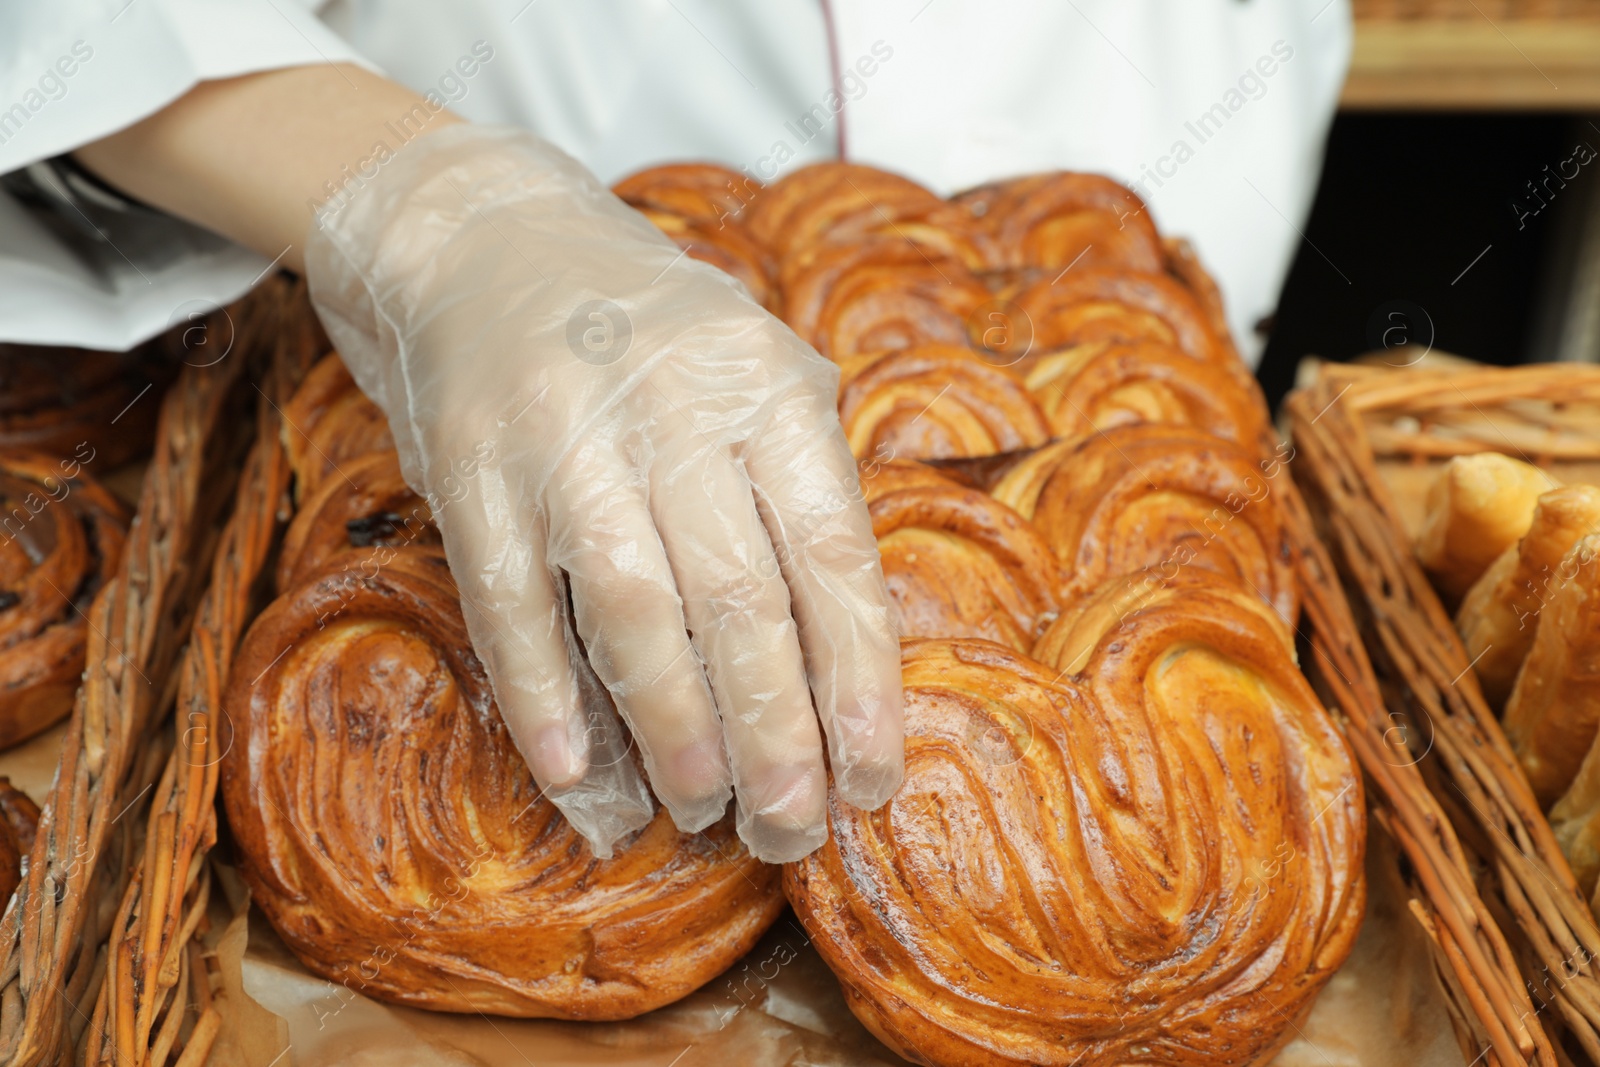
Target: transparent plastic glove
(594, 414)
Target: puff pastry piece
(1066, 220)
(1162, 497)
(328, 422)
(1084, 306)
(842, 203)
(370, 506)
(1157, 860)
(725, 245)
(61, 536)
(877, 295)
(393, 836)
(936, 401)
(706, 192)
(1554, 709)
(959, 563)
(1499, 614)
(1100, 385)
(1479, 506)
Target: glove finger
(807, 488)
(628, 613)
(737, 608)
(516, 615)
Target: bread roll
(936, 401)
(1499, 613)
(1065, 220)
(1157, 859)
(391, 832)
(328, 422)
(1162, 497)
(1554, 709)
(1479, 506)
(61, 537)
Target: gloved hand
(592, 413)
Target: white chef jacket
(1215, 111)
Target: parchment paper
(779, 1007)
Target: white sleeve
(84, 272)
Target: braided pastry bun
(328, 422)
(370, 506)
(1085, 306)
(1159, 497)
(844, 203)
(877, 295)
(19, 821)
(935, 401)
(61, 536)
(1479, 506)
(66, 401)
(1101, 385)
(392, 834)
(1158, 860)
(698, 205)
(705, 192)
(1064, 219)
(959, 563)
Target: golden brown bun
(370, 505)
(1086, 306)
(703, 191)
(1158, 860)
(61, 535)
(392, 834)
(328, 422)
(1183, 263)
(1479, 506)
(1499, 614)
(959, 563)
(1161, 497)
(881, 477)
(725, 245)
(877, 295)
(1554, 709)
(840, 203)
(1065, 220)
(74, 401)
(936, 401)
(1099, 385)
(19, 822)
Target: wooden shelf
(1475, 64)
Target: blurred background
(1459, 203)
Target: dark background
(1407, 200)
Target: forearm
(249, 157)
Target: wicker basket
(1384, 10)
(1366, 440)
(51, 937)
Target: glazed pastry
(371, 506)
(1099, 385)
(1162, 497)
(61, 536)
(328, 422)
(1479, 506)
(392, 833)
(1499, 614)
(1085, 306)
(78, 402)
(877, 295)
(844, 203)
(1554, 708)
(1158, 860)
(959, 563)
(1184, 264)
(19, 821)
(1066, 220)
(702, 191)
(936, 401)
(888, 476)
(725, 245)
